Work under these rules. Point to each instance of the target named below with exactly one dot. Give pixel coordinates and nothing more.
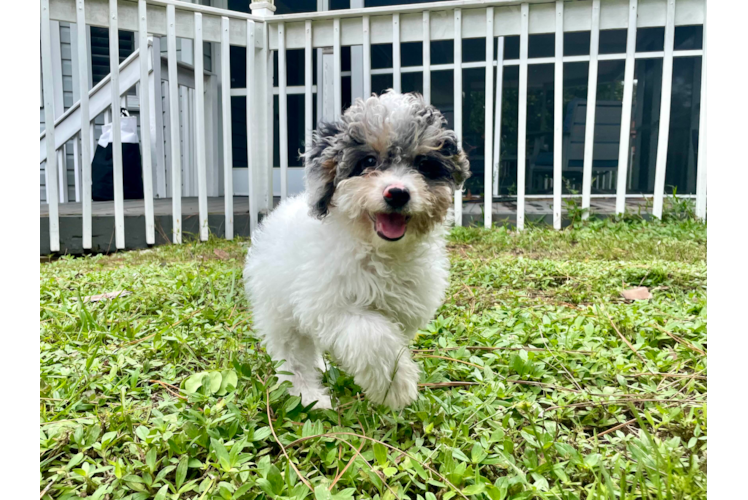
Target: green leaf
(181, 471)
(235, 450)
(74, 460)
(380, 453)
(496, 493)
(229, 381)
(593, 459)
(150, 459)
(459, 455)
(322, 493)
(291, 403)
(474, 489)
(215, 381)
(221, 453)
(261, 434)
(193, 383)
(276, 480)
(161, 495)
(477, 454)
(419, 469)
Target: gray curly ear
(320, 165)
(461, 165)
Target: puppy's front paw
(323, 401)
(404, 387)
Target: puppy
(357, 264)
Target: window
(577, 43)
(650, 39)
(645, 125)
(683, 143)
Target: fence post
(262, 126)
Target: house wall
(67, 101)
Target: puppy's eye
(368, 162)
(430, 168)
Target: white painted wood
(252, 132)
(427, 56)
(269, 113)
(144, 97)
(664, 132)
(367, 56)
(489, 111)
(76, 168)
(165, 91)
(68, 124)
(396, 76)
(50, 167)
(175, 150)
(558, 115)
(184, 134)
(522, 119)
(158, 155)
(228, 180)
(458, 101)
(74, 59)
(328, 89)
(701, 161)
(357, 60)
(57, 70)
(589, 130)
(62, 173)
(282, 112)
(200, 132)
(690, 13)
(628, 97)
(85, 122)
(97, 16)
(497, 115)
(338, 97)
(308, 109)
(119, 196)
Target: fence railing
(264, 33)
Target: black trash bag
(102, 166)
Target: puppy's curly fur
(356, 264)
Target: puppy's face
(389, 167)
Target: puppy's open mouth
(390, 226)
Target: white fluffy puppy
(358, 263)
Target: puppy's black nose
(396, 196)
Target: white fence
(265, 33)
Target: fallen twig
(357, 454)
(449, 359)
(173, 390)
(631, 346)
(283, 448)
(491, 348)
(680, 340)
(46, 488)
(666, 375)
(437, 385)
(613, 429)
(623, 401)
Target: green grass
(166, 394)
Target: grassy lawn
(538, 379)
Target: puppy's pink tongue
(391, 226)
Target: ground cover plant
(539, 379)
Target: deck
(71, 223)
